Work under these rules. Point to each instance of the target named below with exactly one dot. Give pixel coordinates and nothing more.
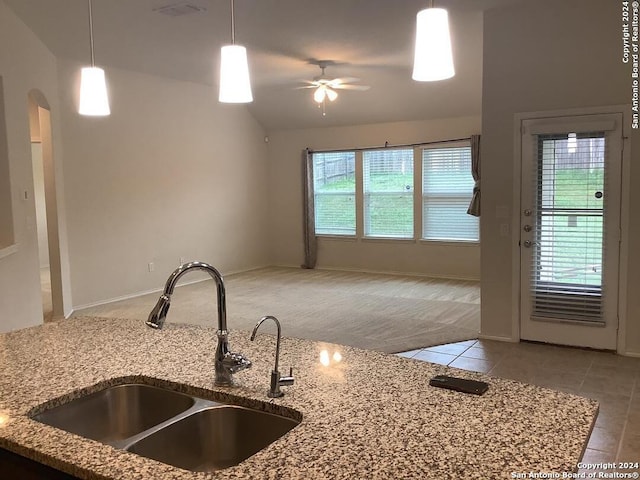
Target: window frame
(422, 199)
(367, 195)
(418, 205)
(349, 234)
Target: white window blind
(447, 187)
(334, 187)
(569, 228)
(388, 193)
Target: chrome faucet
(276, 379)
(226, 363)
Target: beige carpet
(388, 313)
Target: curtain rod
(387, 145)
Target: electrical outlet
(151, 267)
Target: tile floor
(611, 379)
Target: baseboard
(630, 354)
(77, 308)
(498, 339)
(385, 272)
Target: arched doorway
(46, 205)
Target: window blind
(567, 252)
(334, 187)
(388, 193)
(447, 187)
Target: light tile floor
(611, 379)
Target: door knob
(527, 228)
(529, 243)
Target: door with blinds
(570, 230)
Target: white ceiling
(369, 39)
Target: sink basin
(214, 438)
(178, 429)
(117, 413)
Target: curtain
(474, 206)
(310, 241)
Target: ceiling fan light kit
(325, 88)
(324, 91)
(235, 85)
(94, 100)
(433, 57)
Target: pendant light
(235, 86)
(94, 100)
(433, 58)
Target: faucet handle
(236, 362)
(287, 380)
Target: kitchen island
(365, 415)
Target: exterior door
(570, 230)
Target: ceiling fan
(325, 87)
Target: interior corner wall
(25, 64)
(542, 56)
(286, 194)
(170, 174)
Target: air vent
(180, 9)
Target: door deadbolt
(527, 213)
(528, 243)
(527, 228)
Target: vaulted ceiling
(368, 39)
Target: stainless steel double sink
(172, 427)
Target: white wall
(25, 63)
(541, 56)
(171, 173)
(285, 202)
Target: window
(334, 186)
(447, 187)
(388, 193)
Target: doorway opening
(46, 206)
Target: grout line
(460, 354)
(626, 420)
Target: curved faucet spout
(161, 309)
(276, 379)
(227, 362)
(278, 335)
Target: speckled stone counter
(368, 416)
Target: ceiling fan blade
(347, 86)
(339, 81)
(305, 86)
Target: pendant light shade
(94, 100)
(235, 85)
(433, 58)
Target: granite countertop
(370, 415)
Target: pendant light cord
(233, 25)
(93, 61)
